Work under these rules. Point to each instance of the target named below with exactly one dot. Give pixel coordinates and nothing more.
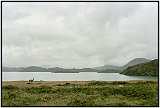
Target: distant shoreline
(81, 81)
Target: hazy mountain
(134, 62)
(57, 69)
(11, 69)
(87, 70)
(41, 69)
(121, 68)
(107, 67)
(34, 69)
(143, 69)
(109, 71)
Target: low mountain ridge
(34, 69)
(41, 69)
(55, 69)
(61, 70)
(105, 67)
(11, 69)
(121, 68)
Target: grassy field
(80, 93)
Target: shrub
(9, 95)
(98, 83)
(119, 82)
(81, 103)
(9, 87)
(42, 89)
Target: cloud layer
(75, 35)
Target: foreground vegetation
(93, 93)
(144, 69)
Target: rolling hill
(11, 69)
(34, 69)
(121, 68)
(134, 62)
(143, 69)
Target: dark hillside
(144, 69)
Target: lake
(82, 76)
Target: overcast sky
(76, 35)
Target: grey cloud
(78, 34)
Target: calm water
(82, 76)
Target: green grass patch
(96, 93)
(9, 87)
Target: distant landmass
(40, 69)
(12, 69)
(61, 70)
(143, 69)
(109, 71)
(55, 69)
(101, 69)
(105, 67)
(34, 69)
(121, 68)
(134, 62)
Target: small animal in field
(28, 83)
(31, 80)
